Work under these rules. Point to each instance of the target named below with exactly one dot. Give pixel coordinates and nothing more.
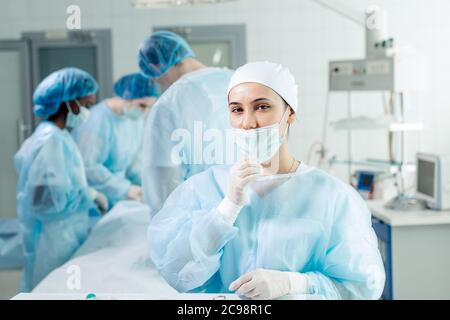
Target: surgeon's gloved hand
(264, 284)
(100, 200)
(241, 175)
(135, 193)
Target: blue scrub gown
(53, 201)
(110, 144)
(308, 222)
(177, 130)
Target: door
(15, 118)
(215, 46)
(87, 50)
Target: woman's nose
(248, 122)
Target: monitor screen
(365, 181)
(425, 177)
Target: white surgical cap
(272, 75)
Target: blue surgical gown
(183, 122)
(308, 222)
(53, 201)
(110, 144)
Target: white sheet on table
(114, 258)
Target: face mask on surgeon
(74, 120)
(259, 144)
(133, 113)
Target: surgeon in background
(53, 197)
(269, 225)
(110, 141)
(192, 103)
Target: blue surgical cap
(161, 51)
(62, 85)
(135, 86)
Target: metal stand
(403, 202)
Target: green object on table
(91, 296)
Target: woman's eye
(263, 107)
(236, 110)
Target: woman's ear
(292, 116)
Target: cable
(310, 151)
(341, 12)
(349, 137)
(323, 151)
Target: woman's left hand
(262, 284)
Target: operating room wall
(298, 33)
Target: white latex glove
(269, 284)
(240, 176)
(100, 200)
(134, 193)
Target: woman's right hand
(241, 175)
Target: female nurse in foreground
(269, 225)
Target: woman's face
(253, 105)
(86, 101)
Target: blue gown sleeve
(353, 268)
(133, 173)
(186, 241)
(57, 187)
(93, 142)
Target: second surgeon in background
(194, 100)
(110, 141)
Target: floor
(9, 283)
